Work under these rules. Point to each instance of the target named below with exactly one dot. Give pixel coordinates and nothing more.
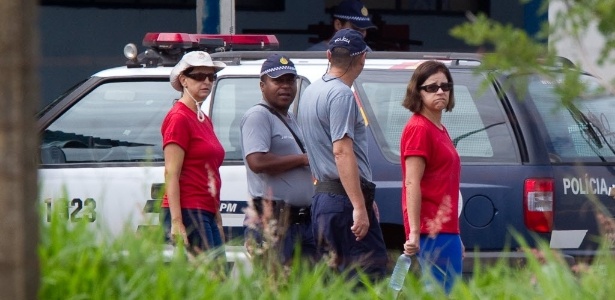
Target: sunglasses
(202, 76)
(433, 88)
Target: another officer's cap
(355, 12)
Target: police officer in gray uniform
(343, 214)
(279, 176)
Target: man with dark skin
(279, 177)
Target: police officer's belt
(335, 187)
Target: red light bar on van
(169, 40)
(243, 41)
(538, 204)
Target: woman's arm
(415, 167)
(219, 223)
(173, 161)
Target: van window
(231, 98)
(584, 131)
(477, 125)
(116, 122)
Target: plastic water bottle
(402, 266)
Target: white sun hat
(193, 59)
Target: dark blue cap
(355, 12)
(348, 39)
(277, 65)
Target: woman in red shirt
(192, 158)
(430, 171)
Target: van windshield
(581, 132)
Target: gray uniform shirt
(328, 112)
(261, 131)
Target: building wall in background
(77, 42)
(585, 52)
(432, 30)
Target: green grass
(76, 264)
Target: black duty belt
(296, 214)
(335, 187)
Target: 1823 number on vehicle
(75, 210)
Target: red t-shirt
(440, 182)
(199, 181)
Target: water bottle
(402, 266)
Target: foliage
(75, 264)
(513, 51)
(583, 15)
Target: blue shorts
(201, 229)
(441, 257)
(332, 219)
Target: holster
(335, 187)
(280, 209)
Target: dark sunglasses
(433, 88)
(201, 76)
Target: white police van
(529, 165)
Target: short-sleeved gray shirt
(262, 131)
(327, 112)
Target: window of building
(435, 7)
(123, 3)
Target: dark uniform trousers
(331, 222)
(294, 228)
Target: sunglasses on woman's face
(202, 76)
(433, 88)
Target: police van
(530, 165)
